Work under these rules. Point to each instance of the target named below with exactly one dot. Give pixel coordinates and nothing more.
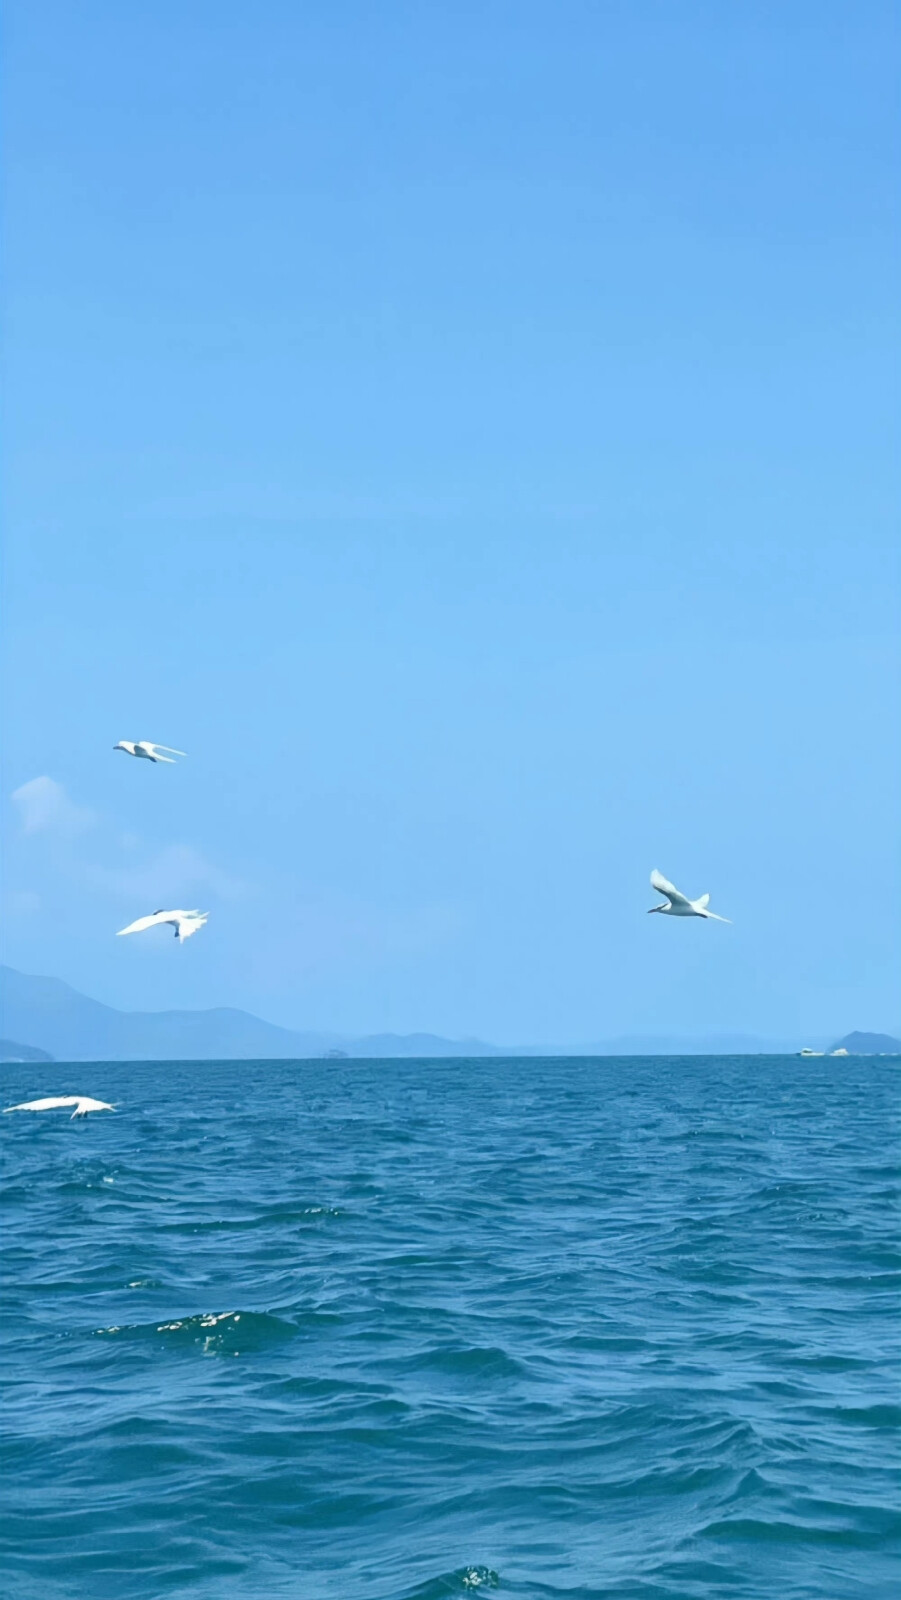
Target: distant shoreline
(47, 1017)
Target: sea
(405, 1330)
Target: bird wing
(189, 925)
(150, 745)
(146, 922)
(54, 1103)
(84, 1104)
(702, 902)
(145, 748)
(663, 886)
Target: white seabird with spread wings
(82, 1103)
(184, 922)
(677, 905)
(149, 750)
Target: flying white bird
(184, 922)
(677, 905)
(82, 1103)
(147, 749)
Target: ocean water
(405, 1330)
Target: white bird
(82, 1103)
(677, 905)
(184, 922)
(149, 750)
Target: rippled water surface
(406, 1330)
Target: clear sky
(470, 431)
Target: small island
(867, 1044)
(859, 1044)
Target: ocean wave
(464, 1580)
(215, 1332)
(558, 1329)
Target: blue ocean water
(403, 1330)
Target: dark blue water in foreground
(408, 1330)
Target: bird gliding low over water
(82, 1103)
(677, 905)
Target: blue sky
(470, 432)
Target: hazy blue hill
(51, 1016)
(10, 1051)
(713, 1044)
(869, 1044)
(420, 1044)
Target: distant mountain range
(49, 1015)
(53, 1020)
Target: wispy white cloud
(119, 864)
(167, 876)
(44, 807)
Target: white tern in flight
(184, 922)
(82, 1103)
(147, 749)
(677, 905)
